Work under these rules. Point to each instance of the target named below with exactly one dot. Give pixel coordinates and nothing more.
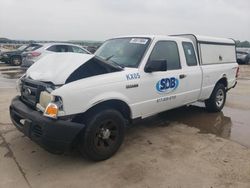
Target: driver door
(163, 90)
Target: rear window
(32, 47)
(189, 53)
(59, 48)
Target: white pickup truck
(87, 100)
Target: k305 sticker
(133, 76)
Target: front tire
(103, 135)
(16, 61)
(217, 99)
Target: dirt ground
(186, 147)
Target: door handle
(181, 76)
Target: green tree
(244, 44)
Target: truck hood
(57, 67)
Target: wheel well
(119, 105)
(223, 81)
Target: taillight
(237, 72)
(34, 54)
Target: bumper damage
(56, 136)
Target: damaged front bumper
(54, 135)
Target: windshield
(126, 52)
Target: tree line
(243, 44)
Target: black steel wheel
(106, 136)
(103, 135)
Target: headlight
(50, 105)
(45, 99)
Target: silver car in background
(31, 57)
(243, 55)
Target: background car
(47, 48)
(243, 55)
(92, 49)
(14, 57)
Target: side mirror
(156, 66)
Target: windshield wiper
(110, 63)
(108, 58)
(120, 65)
(117, 64)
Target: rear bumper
(54, 135)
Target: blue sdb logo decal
(167, 85)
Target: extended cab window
(166, 50)
(189, 53)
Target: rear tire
(103, 135)
(217, 99)
(239, 62)
(16, 61)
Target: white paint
(56, 68)
(212, 54)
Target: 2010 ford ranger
(86, 100)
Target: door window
(62, 48)
(52, 48)
(166, 50)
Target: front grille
(30, 91)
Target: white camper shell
(212, 50)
